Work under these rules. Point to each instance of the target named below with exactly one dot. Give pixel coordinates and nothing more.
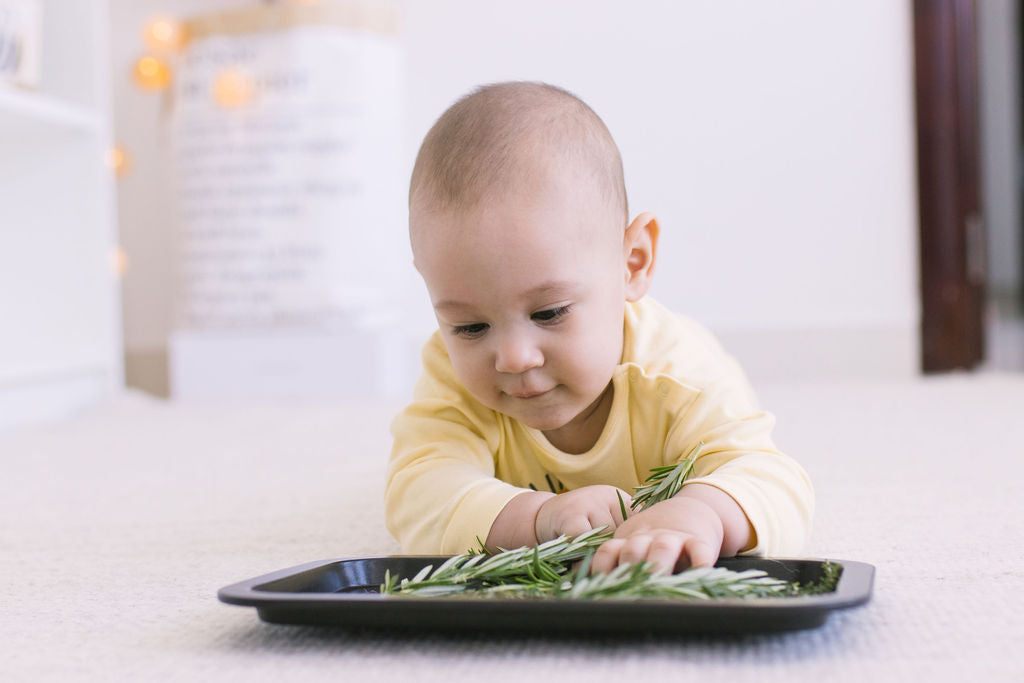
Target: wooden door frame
(952, 238)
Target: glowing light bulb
(117, 160)
(163, 33)
(233, 87)
(152, 73)
(119, 261)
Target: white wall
(775, 141)
(1000, 140)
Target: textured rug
(119, 526)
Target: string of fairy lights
(151, 72)
(164, 38)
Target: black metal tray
(344, 593)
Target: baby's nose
(517, 354)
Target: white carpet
(118, 527)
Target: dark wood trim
(1020, 152)
(951, 228)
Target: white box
(288, 364)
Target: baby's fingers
(607, 556)
(603, 518)
(665, 550)
(636, 549)
(699, 553)
(575, 526)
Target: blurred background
(206, 200)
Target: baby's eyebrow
(551, 288)
(450, 305)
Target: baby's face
(529, 295)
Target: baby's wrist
(542, 527)
(516, 524)
(737, 531)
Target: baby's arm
(693, 528)
(534, 517)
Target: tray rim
(854, 588)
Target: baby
(554, 384)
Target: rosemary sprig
(539, 566)
(622, 506)
(665, 481)
(544, 571)
(826, 583)
(637, 581)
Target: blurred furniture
(283, 160)
(60, 329)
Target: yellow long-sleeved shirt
(456, 463)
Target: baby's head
(486, 144)
(519, 227)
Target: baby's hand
(579, 511)
(672, 535)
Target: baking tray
(344, 592)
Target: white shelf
(61, 348)
(58, 395)
(20, 108)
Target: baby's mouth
(526, 395)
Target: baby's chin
(543, 424)
(552, 411)
(543, 419)
(541, 413)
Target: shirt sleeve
(441, 494)
(740, 458)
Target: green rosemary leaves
(665, 481)
(525, 570)
(546, 571)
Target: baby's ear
(640, 246)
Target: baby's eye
(471, 331)
(550, 315)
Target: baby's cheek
(475, 379)
(597, 360)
